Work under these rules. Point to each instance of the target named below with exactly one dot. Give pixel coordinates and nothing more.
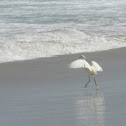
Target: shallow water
(63, 103)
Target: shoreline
(103, 53)
(48, 67)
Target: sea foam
(57, 42)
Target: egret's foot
(97, 87)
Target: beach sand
(45, 92)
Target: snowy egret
(91, 69)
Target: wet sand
(46, 92)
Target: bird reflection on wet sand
(90, 110)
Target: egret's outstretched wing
(97, 66)
(80, 63)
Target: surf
(57, 42)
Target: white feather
(97, 66)
(80, 63)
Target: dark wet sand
(45, 92)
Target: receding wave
(58, 42)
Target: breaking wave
(56, 42)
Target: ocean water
(43, 28)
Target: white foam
(58, 42)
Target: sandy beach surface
(45, 92)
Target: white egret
(91, 69)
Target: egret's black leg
(95, 83)
(88, 81)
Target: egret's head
(82, 57)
